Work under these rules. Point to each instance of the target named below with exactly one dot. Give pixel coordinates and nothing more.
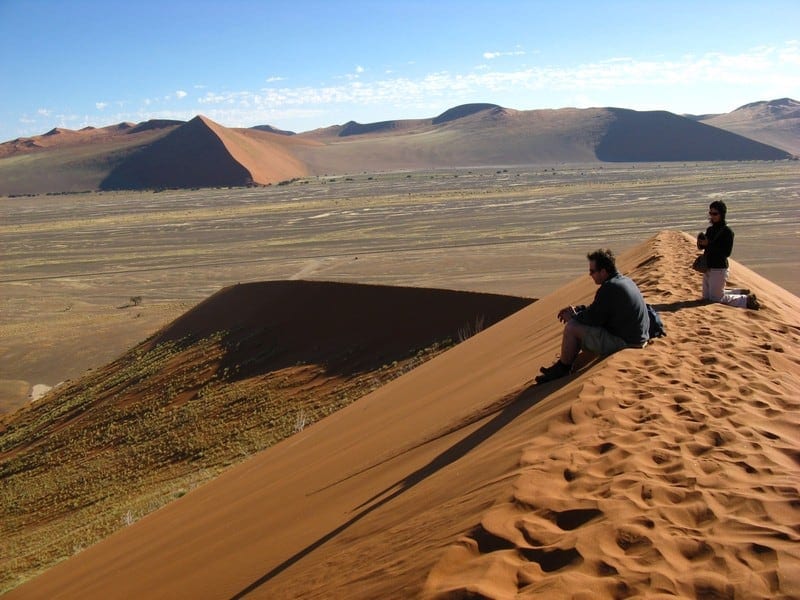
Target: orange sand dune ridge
(671, 470)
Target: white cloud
(493, 55)
(593, 83)
(678, 83)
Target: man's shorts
(600, 341)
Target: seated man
(616, 319)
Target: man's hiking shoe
(752, 302)
(556, 371)
(556, 366)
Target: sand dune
(667, 471)
(776, 123)
(247, 367)
(662, 136)
(202, 153)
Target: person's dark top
(720, 245)
(619, 308)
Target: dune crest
(674, 472)
(670, 470)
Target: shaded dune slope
(662, 136)
(669, 470)
(337, 324)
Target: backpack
(656, 324)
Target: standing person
(616, 319)
(717, 245)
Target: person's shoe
(556, 371)
(550, 368)
(752, 302)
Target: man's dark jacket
(619, 308)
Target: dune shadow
(513, 408)
(345, 328)
(676, 306)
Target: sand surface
(663, 472)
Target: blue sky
(304, 64)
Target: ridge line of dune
(249, 153)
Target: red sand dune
(669, 471)
(202, 153)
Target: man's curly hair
(604, 259)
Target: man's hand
(567, 314)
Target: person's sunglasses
(713, 213)
(593, 271)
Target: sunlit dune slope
(247, 367)
(776, 122)
(668, 470)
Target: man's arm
(598, 312)
(570, 312)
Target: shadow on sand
(512, 408)
(676, 306)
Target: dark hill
(663, 136)
(461, 111)
(271, 129)
(346, 325)
(353, 128)
(153, 124)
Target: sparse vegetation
(143, 431)
(469, 329)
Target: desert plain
(667, 472)
(86, 276)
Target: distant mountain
(463, 111)
(202, 153)
(776, 122)
(271, 129)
